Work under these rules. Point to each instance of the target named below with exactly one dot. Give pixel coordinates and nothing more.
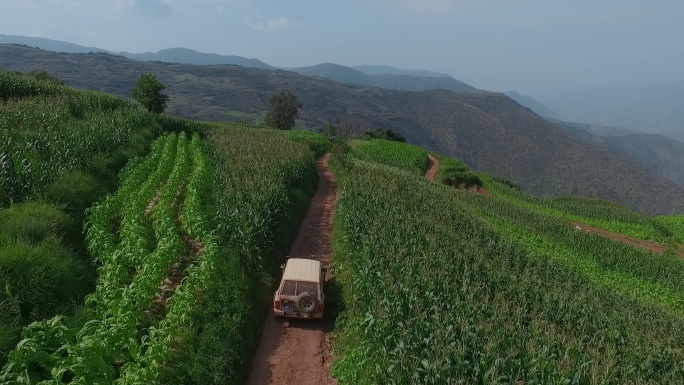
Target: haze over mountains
(658, 153)
(656, 109)
(488, 131)
(652, 109)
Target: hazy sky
(531, 46)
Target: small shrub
(75, 190)
(463, 179)
(32, 222)
(43, 278)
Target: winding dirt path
(296, 352)
(652, 246)
(431, 173)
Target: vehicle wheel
(306, 302)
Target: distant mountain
(387, 70)
(488, 131)
(171, 55)
(533, 105)
(658, 153)
(335, 72)
(656, 109)
(350, 75)
(48, 44)
(189, 56)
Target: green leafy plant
(284, 110)
(148, 92)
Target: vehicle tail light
(320, 307)
(276, 304)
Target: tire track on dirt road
(296, 351)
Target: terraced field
(483, 289)
(441, 275)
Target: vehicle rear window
(289, 288)
(296, 288)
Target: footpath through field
(432, 169)
(296, 351)
(652, 246)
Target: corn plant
(476, 289)
(396, 154)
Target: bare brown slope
(296, 351)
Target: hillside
(488, 131)
(392, 79)
(170, 55)
(47, 44)
(410, 270)
(658, 153)
(189, 56)
(478, 288)
(534, 105)
(654, 109)
(457, 276)
(388, 70)
(110, 221)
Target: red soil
(432, 169)
(297, 351)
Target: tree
(384, 133)
(284, 110)
(147, 91)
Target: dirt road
(432, 168)
(652, 246)
(296, 351)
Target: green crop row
(666, 270)
(598, 213)
(264, 182)
(395, 154)
(13, 86)
(453, 296)
(674, 223)
(578, 254)
(60, 151)
(133, 263)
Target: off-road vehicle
(300, 293)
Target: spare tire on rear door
(306, 302)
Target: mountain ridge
(488, 131)
(401, 82)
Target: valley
(438, 272)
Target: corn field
(476, 289)
(46, 129)
(396, 154)
(264, 183)
(157, 211)
(602, 214)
